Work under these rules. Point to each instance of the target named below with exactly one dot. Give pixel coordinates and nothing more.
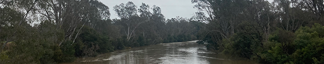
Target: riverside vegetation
(281, 32)
(55, 31)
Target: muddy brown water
(165, 53)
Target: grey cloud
(170, 8)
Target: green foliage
(34, 49)
(9, 17)
(64, 53)
(244, 43)
(213, 40)
(3, 56)
(119, 43)
(259, 38)
(306, 48)
(90, 43)
(65, 32)
(141, 41)
(105, 45)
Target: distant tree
(129, 18)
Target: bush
(306, 48)
(245, 43)
(3, 56)
(64, 53)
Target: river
(164, 53)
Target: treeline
(67, 29)
(282, 32)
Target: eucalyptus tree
(315, 6)
(129, 18)
(67, 16)
(157, 23)
(224, 13)
(224, 16)
(144, 11)
(293, 14)
(145, 14)
(230, 19)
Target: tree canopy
(67, 29)
(274, 33)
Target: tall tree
(129, 18)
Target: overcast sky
(170, 8)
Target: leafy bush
(306, 48)
(64, 53)
(245, 43)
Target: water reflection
(165, 53)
